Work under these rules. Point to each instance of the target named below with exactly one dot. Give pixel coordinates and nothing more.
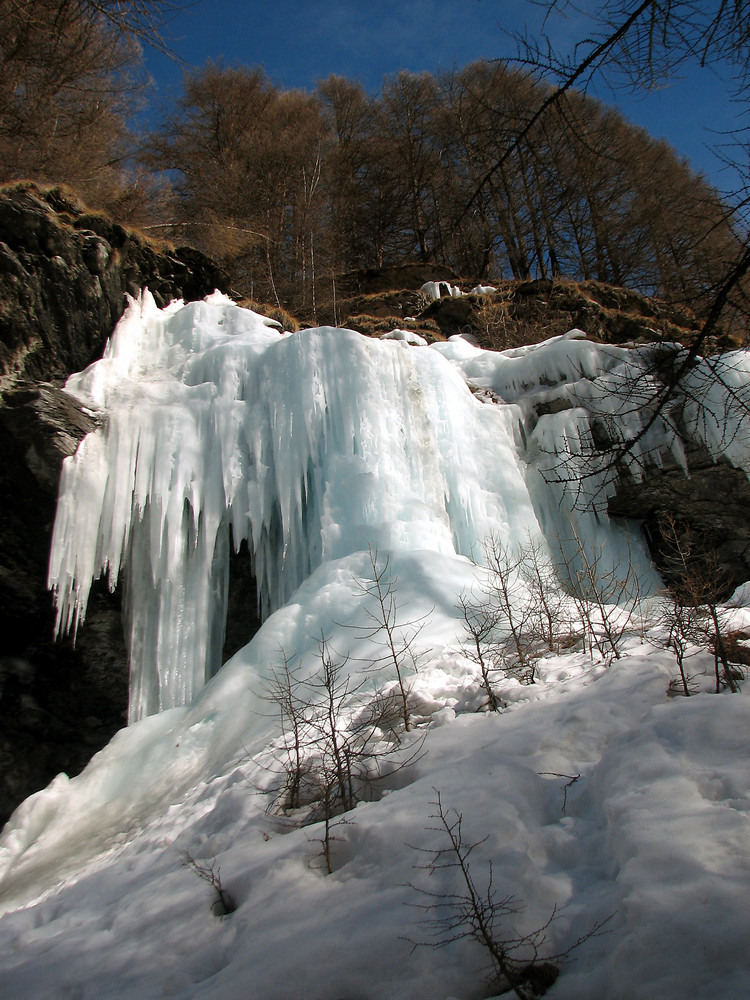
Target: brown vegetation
(297, 193)
(294, 190)
(70, 75)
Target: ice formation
(308, 446)
(217, 428)
(437, 289)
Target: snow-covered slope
(335, 456)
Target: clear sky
(301, 41)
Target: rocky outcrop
(515, 313)
(63, 276)
(712, 502)
(526, 312)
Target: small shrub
(465, 909)
(223, 903)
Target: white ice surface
(408, 336)
(437, 289)
(308, 446)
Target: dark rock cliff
(63, 277)
(712, 502)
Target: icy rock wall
(308, 446)
(216, 427)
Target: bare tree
(546, 596)
(480, 621)
(697, 586)
(70, 75)
(607, 594)
(463, 908)
(389, 629)
(508, 593)
(337, 745)
(285, 690)
(639, 43)
(247, 158)
(515, 617)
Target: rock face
(515, 313)
(526, 312)
(711, 502)
(63, 277)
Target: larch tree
(70, 75)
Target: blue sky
(301, 41)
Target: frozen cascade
(213, 424)
(717, 401)
(217, 428)
(309, 446)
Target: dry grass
(373, 326)
(71, 209)
(288, 322)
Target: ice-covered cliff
(217, 428)
(592, 796)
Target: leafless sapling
(608, 597)
(286, 691)
(547, 599)
(697, 584)
(503, 590)
(337, 743)
(223, 903)
(397, 636)
(480, 625)
(463, 909)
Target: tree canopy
(489, 169)
(294, 185)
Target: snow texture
(438, 289)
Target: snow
(595, 796)
(653, 836)
(437, 289)
(405, 336)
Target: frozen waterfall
(308, 446)
(216, 427)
